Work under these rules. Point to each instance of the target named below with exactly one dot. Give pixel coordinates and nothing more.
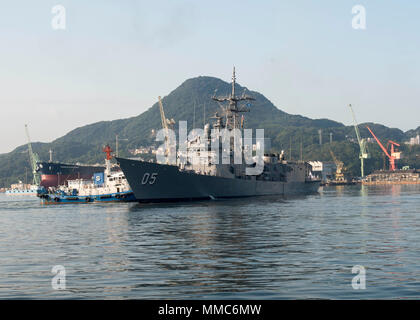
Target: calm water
(261, 248)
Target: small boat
(21, 189)
(107, 186)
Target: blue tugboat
(61, 197)
(105, 186)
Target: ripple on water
(259, 248)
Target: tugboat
(105, 186)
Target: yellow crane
(339, 175)
(166, 125)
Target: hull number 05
(149, 178)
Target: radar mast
(232, 109)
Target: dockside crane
(393, 155)
(363, 154)
(166, 125)
(339, 175)
(33, 158)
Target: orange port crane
(394, 153)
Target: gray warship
(206, 178)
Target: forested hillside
(192, 102)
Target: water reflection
(210, 245)
(218, 245)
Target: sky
(114, 58)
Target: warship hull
(152, 182)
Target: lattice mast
(232, 109)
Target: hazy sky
(115, 57)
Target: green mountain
(192, 102)
(413, 133)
